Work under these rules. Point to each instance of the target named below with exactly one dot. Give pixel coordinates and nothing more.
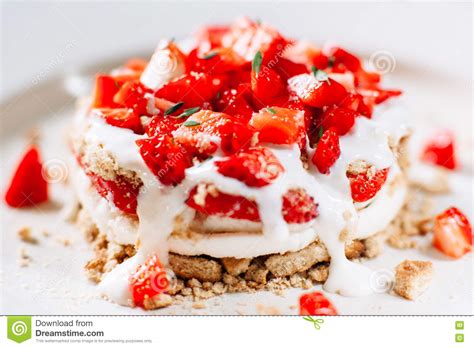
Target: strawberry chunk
(452, 233)
(28, 186)
(123, 118)
(315, 303)
(365, 185)
(287, 69)
(439, 150)
(278, 125)
(298, 207)
(132, 95)
(378, 95)
(166, 159)
(121, 191)
(341, 119)
(105, 89)
(149, 280)
(235, 102)
(194, 89)
(204, 131)
(267, 86)
(216, 61)
(327, 151)
(315, 92)
(225, 205)
(255, 166)
(160, 124)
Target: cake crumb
(267, 310)
(412, 278)
(199, 305)
(25, 259)
(25, 235)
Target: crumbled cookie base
(412, 278)
(25, 235)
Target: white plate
(54, 282)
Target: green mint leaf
(189, 112)
(210, 55)
(191, 123)
(257, 62)
(174, 108)
(272, 111)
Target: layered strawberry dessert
(238, 160)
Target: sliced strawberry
(161, 124)
(204, 131)
(194, 89)
(320, 61)
(123, 118)
(316, 303)
(365, 185)
(166, 159)
(255, 166)
(452, 233)
(216, 61)
(298, 206)
(149, 280)
(267, 86)
(28, 186)
(278, 125)
(343, 57)
(287, 69)
(105, 89)
(132, 95)
(235, 102)
(211, 36)
(341, 119)
(439, 150)
(317, 93)
(327, 151)
(121, 191)
(378, 95)
(225, 205)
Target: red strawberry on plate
(255, 166)
(278, 125)
(315, 303)
(365, 185)
(452, 233)
(28, 186)
(149, 280)
(317, 91)
(327, 151)
(439, 150)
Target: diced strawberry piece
(223, 204)
(166, 159)
(452, 233)
(439, 150)
(28, 186)
(149, 280)
(105, 89)
(211, 36)
(327, 151)
(341, 119)
(278, 125)
(123, 118)
(217, 61)
(299, 207)
(316, 303)
(241, 139)
(378, 95)
(345, 58)
(365, 185)
(287, 69)
(267, 85)
(203, 131)
(121, 191)
(235, 102)
(136, 64)
(320, 61)
(255, 166)
(315, 92)
(194, 89)
(160, 124)
(132, 95)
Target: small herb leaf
(272, 111)
(191, 123)
(174, 108)
(320, 75)
(210, 55)
(189, 112)
(257, 62)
